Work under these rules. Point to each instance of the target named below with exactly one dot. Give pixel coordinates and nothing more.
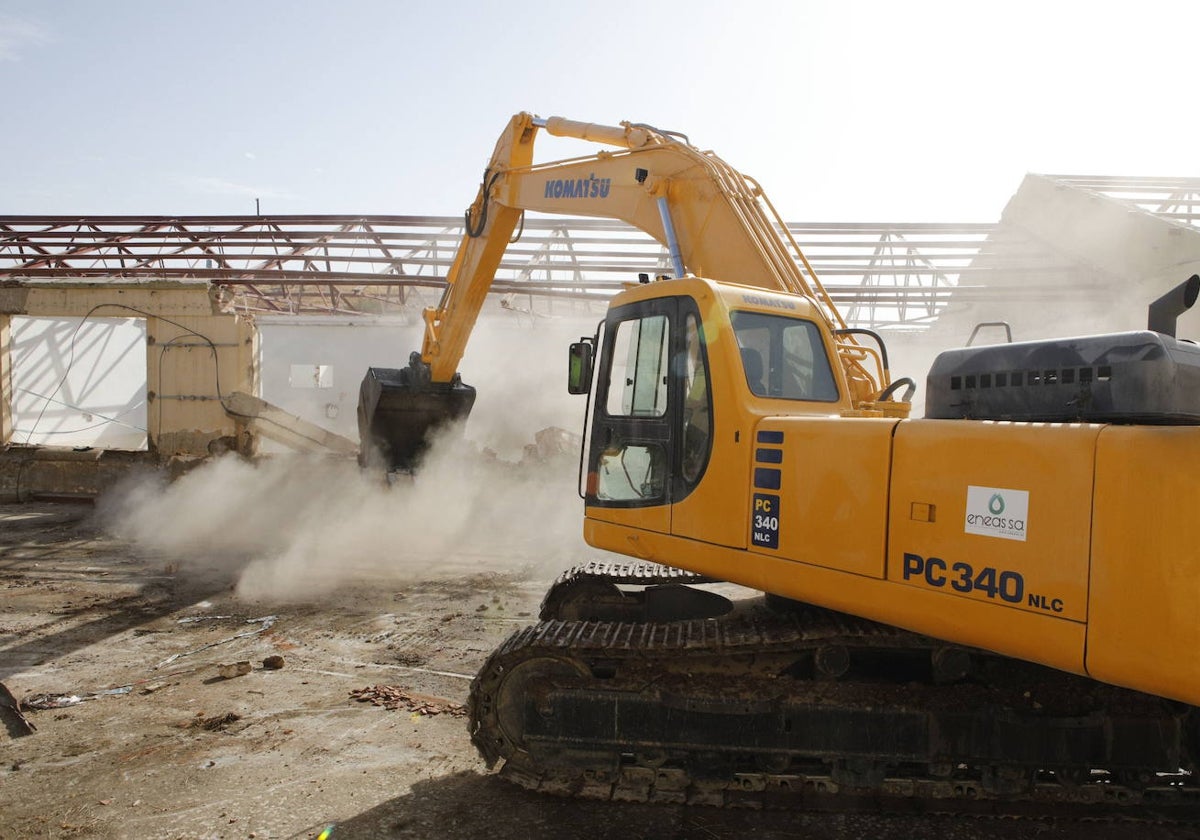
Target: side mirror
(579, 367)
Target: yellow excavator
(995, 603)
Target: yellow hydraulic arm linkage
(714, 221)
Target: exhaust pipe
(1165, 310)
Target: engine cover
(1132, 377)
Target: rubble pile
(392, 697)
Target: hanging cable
(71, 356)
(484, 192)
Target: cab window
(697, 405)
(783, 357)
(638, 384)
(631, 469)
(631, 472)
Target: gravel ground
(144, 737)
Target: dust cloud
(298, 526)
(518, 365)
(294, 527)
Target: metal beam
(885, 274)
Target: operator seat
(753, 363)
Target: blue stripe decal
(768, 456)
(767, 479)
(770, 437)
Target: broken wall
(195, 354)
(1100, 262)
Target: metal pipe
(1170, 306)
(613, 135)
(672, 241)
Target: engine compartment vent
(1133, 377)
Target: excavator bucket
(399, 409)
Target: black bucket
(399, 409)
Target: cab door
(631, 458)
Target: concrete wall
(292, 348)
(6, 390)
(194, 354)
(79, 383)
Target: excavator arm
(714, 221)
(489, 228)
(711, 218)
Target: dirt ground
(149, 740)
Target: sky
(843, 111)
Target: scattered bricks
(213, 724)
(392, 697)
(236, 669)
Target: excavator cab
(686, 369)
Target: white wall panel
(79, 383)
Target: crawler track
(817, 710)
